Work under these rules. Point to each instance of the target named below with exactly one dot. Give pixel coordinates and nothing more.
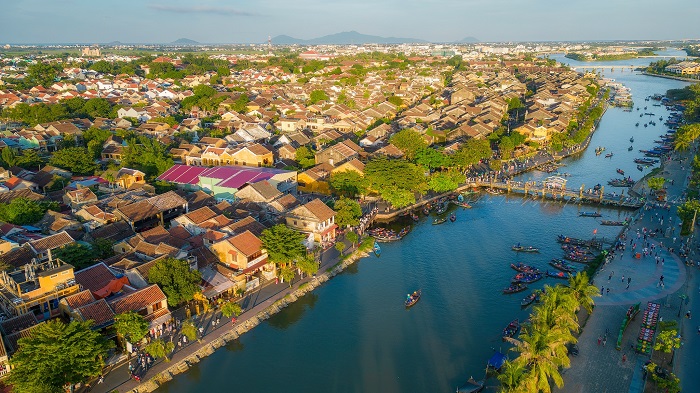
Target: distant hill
(113, 43)
(346, 37)
(469, 40)
(185, 41)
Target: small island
(589, 56)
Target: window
(54, 275)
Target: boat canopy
(555, 182)
(497, 360)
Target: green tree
(340, 246)
(445, 181)
(230, 309)
(472, 152)
(431, 158)
(23, 211)
(307, 265)
(29, 159)
(305, 157)
(42, 74)
(409, 142)
(283, 244)
(350, 183)
(317, 96)
(103, 248)
(686, 135)
(582, 290)
(656, 183)
(687, 212)
(96, 107)
(667, 341)
(9, 157)
(176, 279)
(512, 377)
(189, 330)
(76, 254)
(74, 159)
(160, 349)
(396, 100)
(286, 273)
(348, 212)
(58, 355)
(132, 326)
(352, 237)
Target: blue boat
(377, 250)
(497, 361)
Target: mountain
(113, 43)
(468, 40)
(346, 37)
(184, 41)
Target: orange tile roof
(138, 300)
(80, 299)
(246, 243)
(98, 311)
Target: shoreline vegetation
(609, 57)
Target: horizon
(227, 22)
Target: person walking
(607, 291)
(605, 340)
(601, 338)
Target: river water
(353, 334)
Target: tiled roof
(80, 299)
(169, 200)
(155, 235)
(51, 242)
(200, 215)
(179, 232)
(247, 224)
(246, 243)
(18, 323)
(138, 211)
(94, 277)
(319, 209)
(138, 300)
(116, 231)
(17, 257)
(99, 312)
(266, 190)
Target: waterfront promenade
(600, 368)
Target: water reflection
(234, 346)
(293, 313)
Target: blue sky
(244, 21)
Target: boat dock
(545, 191)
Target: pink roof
(230, 176)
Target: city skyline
(247, 21)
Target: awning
(256, 266)
(330, 228)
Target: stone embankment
(183, 365)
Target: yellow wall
(311, 185)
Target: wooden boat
(453, 217)
(640, 168)
(645, 161)
(471, 386)
(620, 171)
(442, 208)
(377, 250)
(412, 298)
(439, 221)
(426, 209)
(632, 139)
(609, 155)
(494, 191)
(579, 242)
(599, 150)
(589, 214)
(561, 275)
(527, 277)
(514, 288)
(613, 223)
(414, 217)
(628, 182)
(527, 300)
(462, 204)
(523, 268)
(562, 265)
(637, 125)
(512, 329)
(630, 148)
(520, 248)
(496, 361)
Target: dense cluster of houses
(232, 186)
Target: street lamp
(680, 306)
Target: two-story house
(314, 219)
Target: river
(353, 334)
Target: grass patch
(303, 285)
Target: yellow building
(315, 179)
(314, 219)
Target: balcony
(255, 261)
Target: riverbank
(678, 78)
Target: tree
(189, 330)
(582, 290)
(686, 135)
(667, 341)
(348, 212)
(431, 158)
(132, 326)
(352, 237)
(512, 377)
(307, 264)
(23, 211)
(283, 244)
(160, 349)
(317, 96)
(656, 183)
(76, 254)
(9, 157)
(42, 74)
(396, 181)
(350, 183)
(409, 142)
(305, 157)
(287, 274)
(396, 100)
(445, 181)
(57, 355)
(230, 309)
(97, 107)
(74, 159)
(340, 246)
(176, 279)
(103, 248)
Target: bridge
(557, 191)
(601, 67)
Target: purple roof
(231, 176)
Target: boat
(645, 161)
(414, 217)
(632, 139)
(637, 125)
(523, 268)
(471, 386)
(628, 182)
(589, 214)
(412, 298)
(561, 275)
(377, 250)
(609, 155)
(520, 248)
(527, 300)
(439, 221)
(599, 150)
(580, 258)
(527, 277)
(462, 204)
(597, 187)
(494, 191)
(579, 242)
(426, 209)
(388, 235)
(512, 329)
(453, 217)
(514, 288)
(442, 208)
(630, 148)
(620, 171)
(496, 361)
(576, 249)
(613, 223)
(640, 168)
(562, 265)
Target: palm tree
(559, 297)
(546, 317)
(543, 351)
(582, 290)
(512, 377)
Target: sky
(252, 21)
